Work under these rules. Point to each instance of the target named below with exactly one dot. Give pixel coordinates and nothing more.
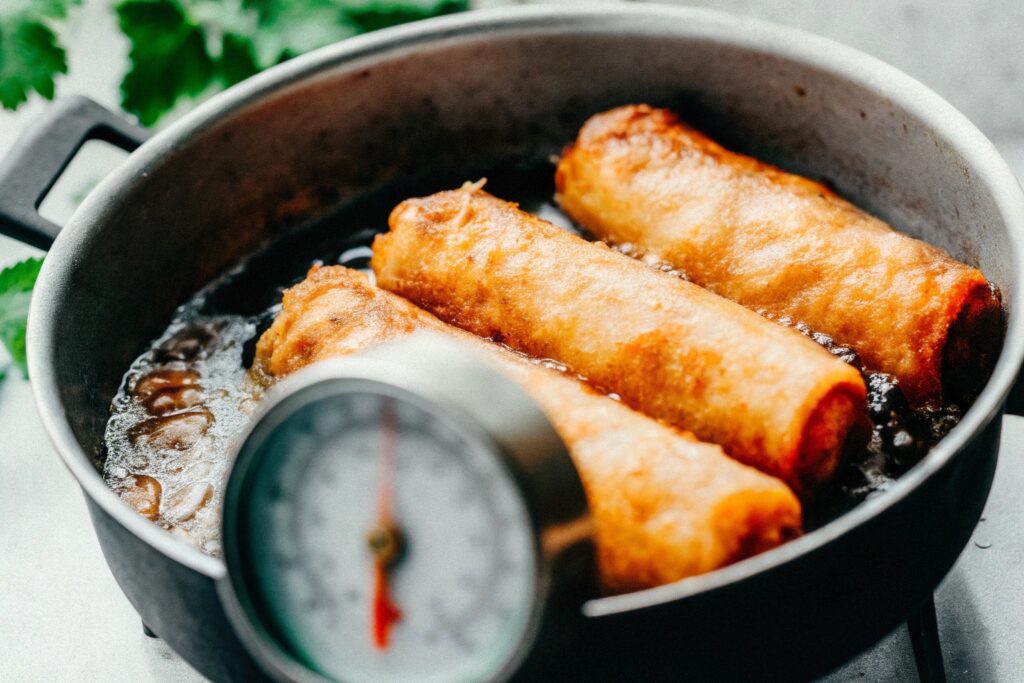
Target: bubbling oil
(180, 408)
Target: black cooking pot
(493, 88)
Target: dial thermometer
(397, 515)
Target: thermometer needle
(384, 539)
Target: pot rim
(637, 21)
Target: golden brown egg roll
(786, 245)
(665, 506)
(772, 398)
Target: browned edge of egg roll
(665, 506)
(787, 245)
(772, 398)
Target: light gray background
(62, 616)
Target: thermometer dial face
(383, 540)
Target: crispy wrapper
(772, 398)
(665, 506)
(786, 245)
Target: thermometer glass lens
(388, 543)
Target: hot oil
(187, 399)
(900, 436)
(180, 407)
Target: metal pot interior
(288, 147)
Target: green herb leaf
(181, 48)
(15, 293)
(168, 57)
(30, 55)
(237, 59)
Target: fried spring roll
(785, 244)
(772, 398)
(665, 505)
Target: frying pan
(290, 145)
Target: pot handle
(39, 157)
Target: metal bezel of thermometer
(299, 491)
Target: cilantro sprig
(15, 293)
(30, 54)
(184, 48)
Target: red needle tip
(385, 612)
